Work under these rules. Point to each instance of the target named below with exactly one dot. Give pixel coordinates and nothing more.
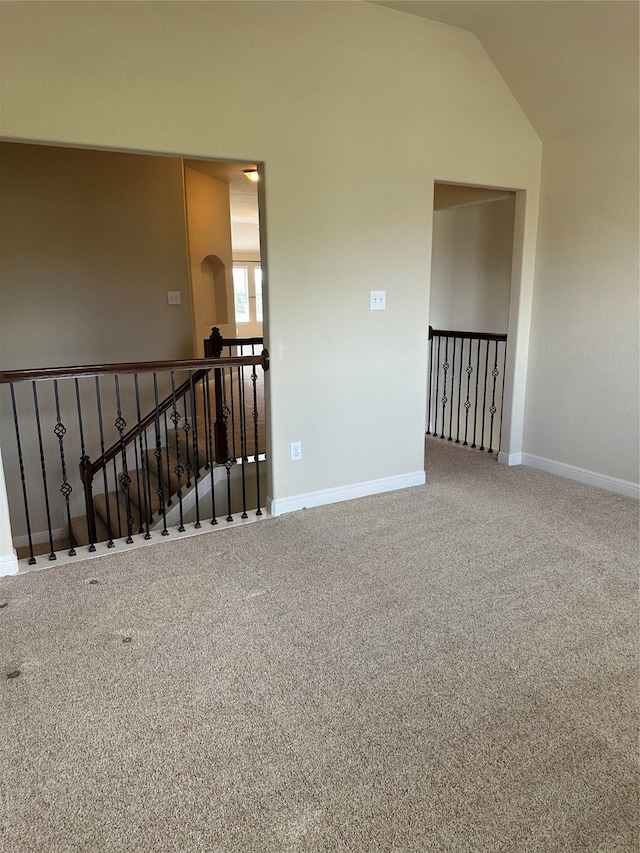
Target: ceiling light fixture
(252, 174)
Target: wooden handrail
(38, 374)
(142, 425)
(215, 343)
(475, 336)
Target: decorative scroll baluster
(467, 402)
(504, 370)
(45, 488)
(23, 479)
(66, 488)
(445, 368)
(475, 408)
(166, 441)
(435, 423)
(492, 409)
(186, 428)
(484, 395)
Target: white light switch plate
(378, 300)
(173, 297)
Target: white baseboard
(571, 472)
(279, 506)
(8, 564)
(510, 458)
(40, 537)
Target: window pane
(241, 294)
(257, 277)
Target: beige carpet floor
(447, 668)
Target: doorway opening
(471, 275)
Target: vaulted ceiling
(572, 65)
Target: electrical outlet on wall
(173, 297)
(296, 451)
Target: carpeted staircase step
(80, 530)
(171, 463)
(186, 451)
(118, 513)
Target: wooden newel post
(86, 476)
(213, 344)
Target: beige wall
(582, 396)
(210, 258)
(91, 241)
(332, 97)
(471, 267)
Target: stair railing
(227, 391)
(465, 391)
(64, 413)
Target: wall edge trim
(582, 475)
(8, 564)
(322, 497)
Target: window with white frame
(247, 291)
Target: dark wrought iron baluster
(205, 420)
(243, 438)
(186, 428)
(233, 413)
(116, 491)
(214, 520)
(484, 396)
(229, 461)
(110, 543)
(467, 402)
(435, 424)
(429, 385)
(85, 469)
(492, 409)
(460, 390)
(445, 368)
(475, 408)
(125, 479)
(256, 415)
(144, 492)
(23, 479)
(504, 370)
(196, 452)
(178, 470)
(167, 460)
(66, 488)
(158, 454)
(453, 379)
(43, 467)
